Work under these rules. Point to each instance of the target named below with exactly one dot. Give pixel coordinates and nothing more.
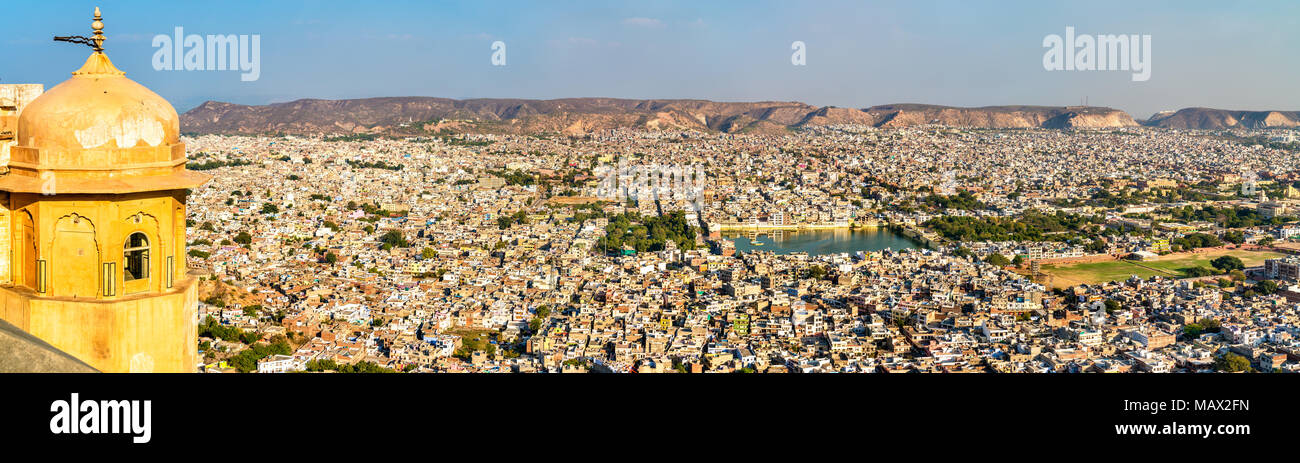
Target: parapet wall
(153, 333)
(13, 98)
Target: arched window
(136, 256)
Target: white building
(280, 364)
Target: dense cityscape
(467, 207)
(1027, 250)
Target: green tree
(998, 260)
(1227, 263)
(1232, 363)
(393, 239)
(817, 272)
(244, 238)
(364, 366)
(1112, 305)
(1196, 271)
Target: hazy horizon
(858, 54)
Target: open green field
(1167, 266)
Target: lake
(821, 241)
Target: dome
(98, 108)
(98, 132)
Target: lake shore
(820, 241)
(807, 226)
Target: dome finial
(98, 27)
(96, 42)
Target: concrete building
(279, 364)
(1283, 268)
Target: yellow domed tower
(92, 223)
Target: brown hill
(1052, 117)
(1210, 119)
(576, 116)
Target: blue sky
(964, 53)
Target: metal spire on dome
(96, 42)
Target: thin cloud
(391, 36)
(131, 37)
(649, 23)
(582, 42)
